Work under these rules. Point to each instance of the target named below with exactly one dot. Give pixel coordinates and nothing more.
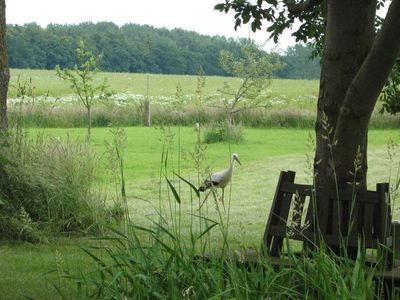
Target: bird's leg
(205, 198)
(222, 198)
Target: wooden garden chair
(341, 217)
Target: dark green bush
(222, 132)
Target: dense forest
(139, 49)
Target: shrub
(222, 132)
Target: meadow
(50, 103)
(154, 85)
(151, 154)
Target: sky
(194, 15)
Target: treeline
(139, 49)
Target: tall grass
(67, 115)
(47, 186)
(64, 115)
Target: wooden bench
(364, 216)
(340, 218)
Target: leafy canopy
(390, 95)
(311, 15)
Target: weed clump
(46, 186)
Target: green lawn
(24, 268)
(263, 153)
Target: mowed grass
(263, 153)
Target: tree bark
(89, 120)
(349, 37)
(4, 70)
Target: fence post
(147, 114)
(147, 109)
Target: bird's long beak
(237, 159)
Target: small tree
(254, 72)
(82, 82)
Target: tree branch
(243, 90)
(364, 90)
(219, 107)
(373, 73)
(297, 8)
(244, 108)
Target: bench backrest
(302, 213)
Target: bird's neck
(232, 163)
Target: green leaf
(190, 184)
(176, 195)
(143, 229)
(166, 159)
(246, 17)
(238, 23)
(220, 6)
(165, 246)
(204, 218)
(94, 257)
(165, 230)
(207, 230)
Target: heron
(219, 180)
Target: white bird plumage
(219, 179)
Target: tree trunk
(349, 37)
(89, 120)
(229, 119)
(363, 93)
(355, 67)
(4, 71)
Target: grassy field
(24, 267)
(158, 84)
